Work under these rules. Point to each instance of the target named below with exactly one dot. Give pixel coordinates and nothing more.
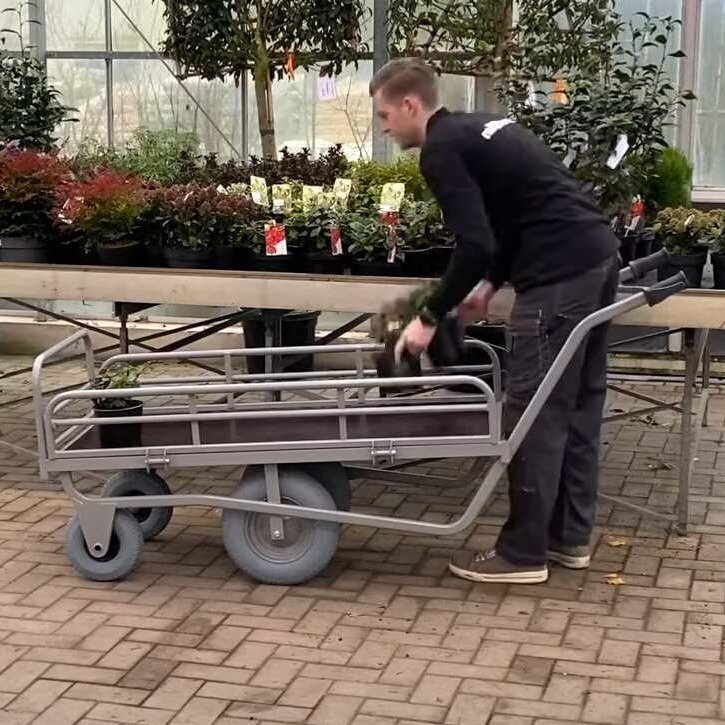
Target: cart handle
(666, 288)
(637, 268)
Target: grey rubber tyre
(124, 552)
(308, 545)
(140, 483)
(331, 475)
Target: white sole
(569, 562)
(525, 577)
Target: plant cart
(294, 431)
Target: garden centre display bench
(692, 313)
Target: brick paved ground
(386, 637)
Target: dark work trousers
(553, 475)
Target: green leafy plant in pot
(678, 231)
(27, 183)
(104, 210)
(425, 243)
(710, 228)
(371, 244)
(313, 232)
(115, 377)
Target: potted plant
(104, 209)
(710, 227)
(314, 232)
(27, 183)
(231, 220)
(125, 435)
(182, 216)
(425, 243)
(677, 230)
(372, 245)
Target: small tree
(215, 38)
(29, 107)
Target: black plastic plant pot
(628, 247)
(691, 264)
(72, 253)
(492, 334)
(183, 258)
(376, 268)
(718, 269)
(645, 243)
(25, 250)
(297, 328)
(239, 258)
(122, 435)
(119, 255)
(280, 263)
(426, 263)
(325, 263)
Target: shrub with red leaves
(104, 209)
(196, 217)
(28, 180)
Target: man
(518, 215)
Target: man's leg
(541, 322)
(573, 518)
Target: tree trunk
(265, 109)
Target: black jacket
(517, 213)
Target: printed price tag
(281, 198)
(341, 191)
(312, 197)
(391, 197)
(258, 188)
(275, 239)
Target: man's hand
(475, 307)
(415, 337)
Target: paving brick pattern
(386, 636)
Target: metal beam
(381, 54)
(691, 17)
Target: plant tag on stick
(312, 198)
(341, 190)
(281, 198)
(258, 189)
(391, 197)
(275, 239)
(620, 149)
(335, 241)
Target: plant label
(326, 88)
(258, 188)
(619, 150)
(312, 197)
(392, 253)
(275, 239)
(335, 241)
(391, 197)
(341, 190)
(281, 198)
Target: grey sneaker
(489, 567)
(571, 557)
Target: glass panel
(146, 94)
(82, 84)
(75, 25)
(316, 113)
(149, 20)
(457, 93)
(709, 142)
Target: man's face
(401, 119)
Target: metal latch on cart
(157, 459)
(383, 453)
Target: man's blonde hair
(404, 77)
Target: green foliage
(669, 182)
(421, 225)
(458, 37)
(162, 156)
(613, 88)
(710, 229)
(369, 176)
(680, 230)
(366, 237)
(310, 231)
(115, 377)
(29, 105)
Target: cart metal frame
(61, 454)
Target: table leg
(706, 376)
(691, 364)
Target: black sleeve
(465, 216)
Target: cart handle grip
(640, 267)
(666, 288)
